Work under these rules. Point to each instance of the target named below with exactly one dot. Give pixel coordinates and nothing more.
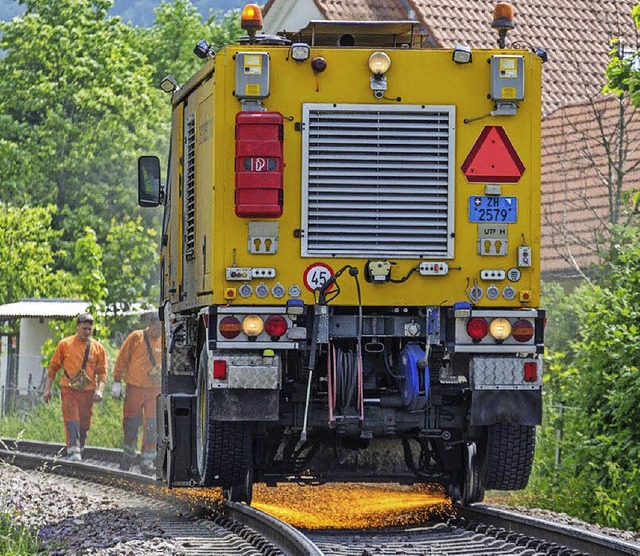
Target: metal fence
(22, 380)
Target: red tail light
(522, 330)
(229, 327)
(276, 326)
(219, 369)
(259, 148)
(477, 328)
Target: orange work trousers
(77, 406)
(140, 408)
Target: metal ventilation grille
(378, 180)
(190, 188)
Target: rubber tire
(510, 450)
(223, 448)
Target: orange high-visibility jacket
(133, 361)
(69, 355)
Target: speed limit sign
(316, 275)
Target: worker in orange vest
(84, 363)
(138, 364)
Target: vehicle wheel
(223, 448)
(243, 492)
(510, 451)
(472, 487)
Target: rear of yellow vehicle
(351, 263)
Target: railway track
(474, 530)
(202, 526)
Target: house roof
(575, 169)
(575, 34)
(43, 308)
(357, 10)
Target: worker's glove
(116, 390)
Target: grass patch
(44, 423)
(16, 540)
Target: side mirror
(148, 181)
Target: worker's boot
(148, 463)
(73, 442)
(73, 453)
(83, 439)
(128, 456)
(130, 426)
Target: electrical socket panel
(259, 272)
(524, 256)
(247, 273)
(434, 269)
(492, 275)
(237, 273)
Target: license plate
(493, 209)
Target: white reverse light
(300, 51)
(461, 54)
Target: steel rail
(292, 541)
(278, 533)
(592, 543)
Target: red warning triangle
(493, 158)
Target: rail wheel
(223, 448)
(510, 451)
(470, 487)
(243, 492)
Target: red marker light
(219, 369)
(276, 326)
(477, 328)
(530, 371)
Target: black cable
(322, 290)
(401, 280)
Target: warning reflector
(493, 159)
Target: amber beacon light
(502, 21)
(251, 19)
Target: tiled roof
(575, 167)
(363, 10)
(357, 10)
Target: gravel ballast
(75, 517)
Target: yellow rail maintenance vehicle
(350, 261)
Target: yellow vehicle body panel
(416, 77)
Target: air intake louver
(378, 180)
(189, 208)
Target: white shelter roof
(43, 308)
(64, 309)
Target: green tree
(131, 263)
(27, 257)
(623, 72)
(177, 29)
(76, 106)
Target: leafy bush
(589, 444)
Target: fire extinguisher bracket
(259, 164)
